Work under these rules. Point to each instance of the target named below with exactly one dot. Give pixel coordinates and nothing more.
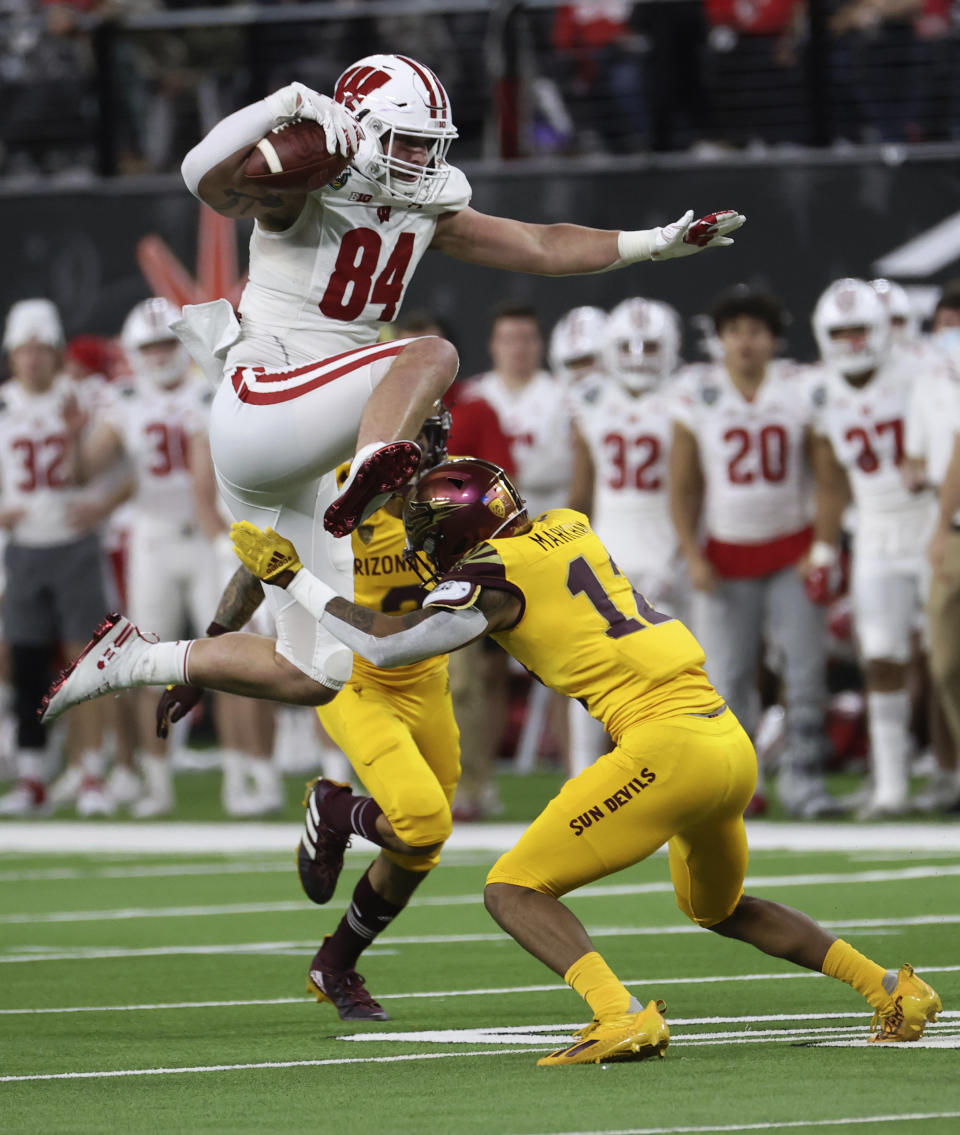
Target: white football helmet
(846, 304)
(149, 322)
(643, 343)
(904, 322)
(36, 320)
(395, 95)
(577, 342)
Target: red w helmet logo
(358, 82)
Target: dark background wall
(809, 222)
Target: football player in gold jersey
(682, 770)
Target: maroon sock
(345, 812)
(366, 916)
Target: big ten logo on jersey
(40, 462)
(633, 462)
(873, 445)
(362, 198)
(757, 454)
(169, 449)
(352, 284)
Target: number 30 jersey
(329, 282)
(582, 629)
(155, 426)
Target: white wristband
(311, 593)
(242, 128)
(633, 246)
(822, 554)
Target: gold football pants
(404, 746)
(684, 780)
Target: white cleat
(248, 804)
(94, 800)
(124, 786)
(106, 663)
(65, 788)
(26, 798)
(150, 807)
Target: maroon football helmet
(454, 507)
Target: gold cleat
(914, 1004)
(631, 1036)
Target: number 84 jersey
(329, 282)
(583, 630)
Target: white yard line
(594, 891)
(51, 836)
(646, 982)
(768, 1125)
(82, 953)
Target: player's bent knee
(710, 917)
(423, 832)
(440, 355)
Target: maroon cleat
(371, 484)
(346, 992)
(320, 851)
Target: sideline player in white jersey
(861, 409)
(740, 477)
(54, 578)
(327, 269)
(578, 345)
(621, 440)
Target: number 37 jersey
(583, 630)
(329, 282)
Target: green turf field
(165, 993)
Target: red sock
(345, 812)
(366, 916)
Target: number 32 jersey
(582, 629)
(329, 282)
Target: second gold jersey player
(682, 770)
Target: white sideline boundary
(42, 837)
(768, 1125)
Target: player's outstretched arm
(569, 250)
(387, 641)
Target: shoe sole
(322, 997)
(383, 471)
(48, 711)
(634, 1052)
(314, 891)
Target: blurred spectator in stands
(753, 50)
(601, 59)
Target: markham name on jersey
(329, 282)
(582, 629)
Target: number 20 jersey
(583, 630)
(329, 282)
(752, 453)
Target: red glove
(177, 701)
(819, 585)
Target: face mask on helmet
(404, 110)
(577, 342)
(852, 327)
(454, 507)
(643, 343)
(433, 435)
(152, 349)
(904, 324)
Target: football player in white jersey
(861, 409)
(304, 378)
(621, 440)
(159, 423)
(740, 478)
(578, 345)
(54, 578)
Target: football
(294, 156)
